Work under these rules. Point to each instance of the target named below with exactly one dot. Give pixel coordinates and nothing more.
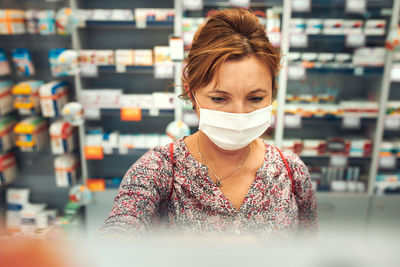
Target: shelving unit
(363, 82)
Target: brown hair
(227, 35)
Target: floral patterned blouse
(150, 199)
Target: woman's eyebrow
(259, 90)
(220, 91)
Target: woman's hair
(230, 34)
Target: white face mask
(232, 131)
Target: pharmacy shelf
(253, 3)
(129, 69)
(346, 70)
(111, 112)
(129, 24)
(328, 156)
(138, 152)
(369, 39)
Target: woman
(222, 179)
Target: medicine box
(12, 21)
(31, 134)
(6, 98)
(62, 138)
(4, 65)
(6, 132)
(27, 97)
(8, 168)
(47, 22)
(17, 199)
(125, 57)
(53, 96)
(66, 167)
(32, 21)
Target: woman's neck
(214, 154)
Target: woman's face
(244, 86)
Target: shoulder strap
(287, 168)
(171, 155)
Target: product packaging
(293, 145)
(353, 26)
(143, 57)
(12, 21)
(164, 101)
(4, 65)
(29, 216)
(8, 168)
(87, 57)
(66, 168)
(57, 68)
(314, 26)
(31, 134)
(109, 98)
(7, 124)
(32, 21)
(297, 25)
(62, 138)
(314, 147)
(125, 57)
(360, 148)
(375, 27)
(26, 97)
(6, 98)
(23, 62)
(333, 26)
(64, 21)
(53, 96)
(47, 22)
(17, 199)
(104, 57)
(110, 141)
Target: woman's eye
(218, 99)
(256, 99)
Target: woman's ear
(187, 90)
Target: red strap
(171, 155)
(287, 168)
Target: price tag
(359, 71)
(392, 123)
(355, 40)
(193, 4)
(163, 71)
(107, 150)
(141, 23)
(154, 112)
(120, 68)
(89, 70)
(356, 6)
(176, 48)
(239, 3)
(351, 122)
(131, 114)
(388, 162)
(92, 113)
(123, 150)
(293, 121)
(298, 40)
(96, 185)
(296, 72)
(94, 152)
(395, 73)
(301, 5)
(338, 161)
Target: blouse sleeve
(304, 194)
(142, 189)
